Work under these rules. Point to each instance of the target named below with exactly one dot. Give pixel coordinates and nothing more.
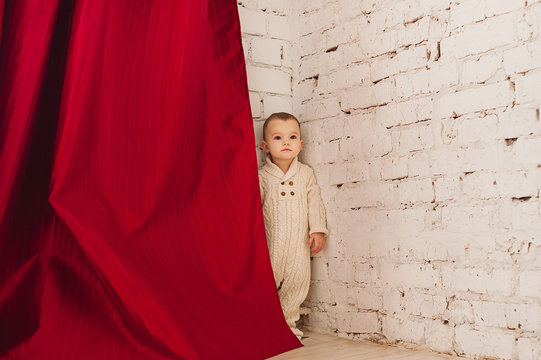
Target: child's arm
(318, 239)
(317, 220)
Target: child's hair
(280, 116)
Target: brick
(412, 111)
(475, 219)
(392, 302)
(276, 6)
(258, 132)
(268, 80)
(383, 67)
(419, 165)
(340, 271)
(339, 34)
(363, 275)
(412, 84)
(416, 138)
(367, 298)
(324, 108)
(407, 12)
(493, 344)
(416, 191)
(480, 37)
(498, 7)
(306, 89)
(529, 348)
(487, 313)
(429, 6)
(414, 57)
(530, 317)
(358, 171)
(419, 304)
(272, 104)
(248, 4)
(309, 44)
(480, 70)
(480, 185)
(279, 27)
(479, 281)
(358, 322)
(517, 184)
(319, 292)
(523, 58)
(529, 25)
(409, 275)
(527, 152)
(476, 99)
(461, 312)
(471, 129)
(329, 151)
(387, 115)
(403, 329)
(287, 55)
(319, 319)
(366, 97)
(439, 336)
(338, 173)
(377, 44)
(465, 13)
(442, 76)
(246, 47)
(255, 104)
(415, 33)
(447, 188)
(252, 22)
(319, 269)
(530, 285)
(267, 51)
(309, 68)
(394, 168)
(528, 88)
(349, 10)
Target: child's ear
(302, 144)
(265, 146)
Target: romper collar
(273, 169)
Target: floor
(329, 347)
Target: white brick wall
(267, 42)
(422, 121)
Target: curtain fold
(130, 215)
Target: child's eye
(293, 137)
(277, 137)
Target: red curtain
(130, 215)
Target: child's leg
(295, 288)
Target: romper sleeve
(317, 220)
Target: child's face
(282, 139)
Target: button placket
(287, 189)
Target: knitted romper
(292, 209)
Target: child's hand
(318, 239)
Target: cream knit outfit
(292, 209)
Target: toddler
(293, 212)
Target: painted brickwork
(267, 42)
(422, 121)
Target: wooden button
(283, 193)
(292, 193)
(291, 183)
(282, 183)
